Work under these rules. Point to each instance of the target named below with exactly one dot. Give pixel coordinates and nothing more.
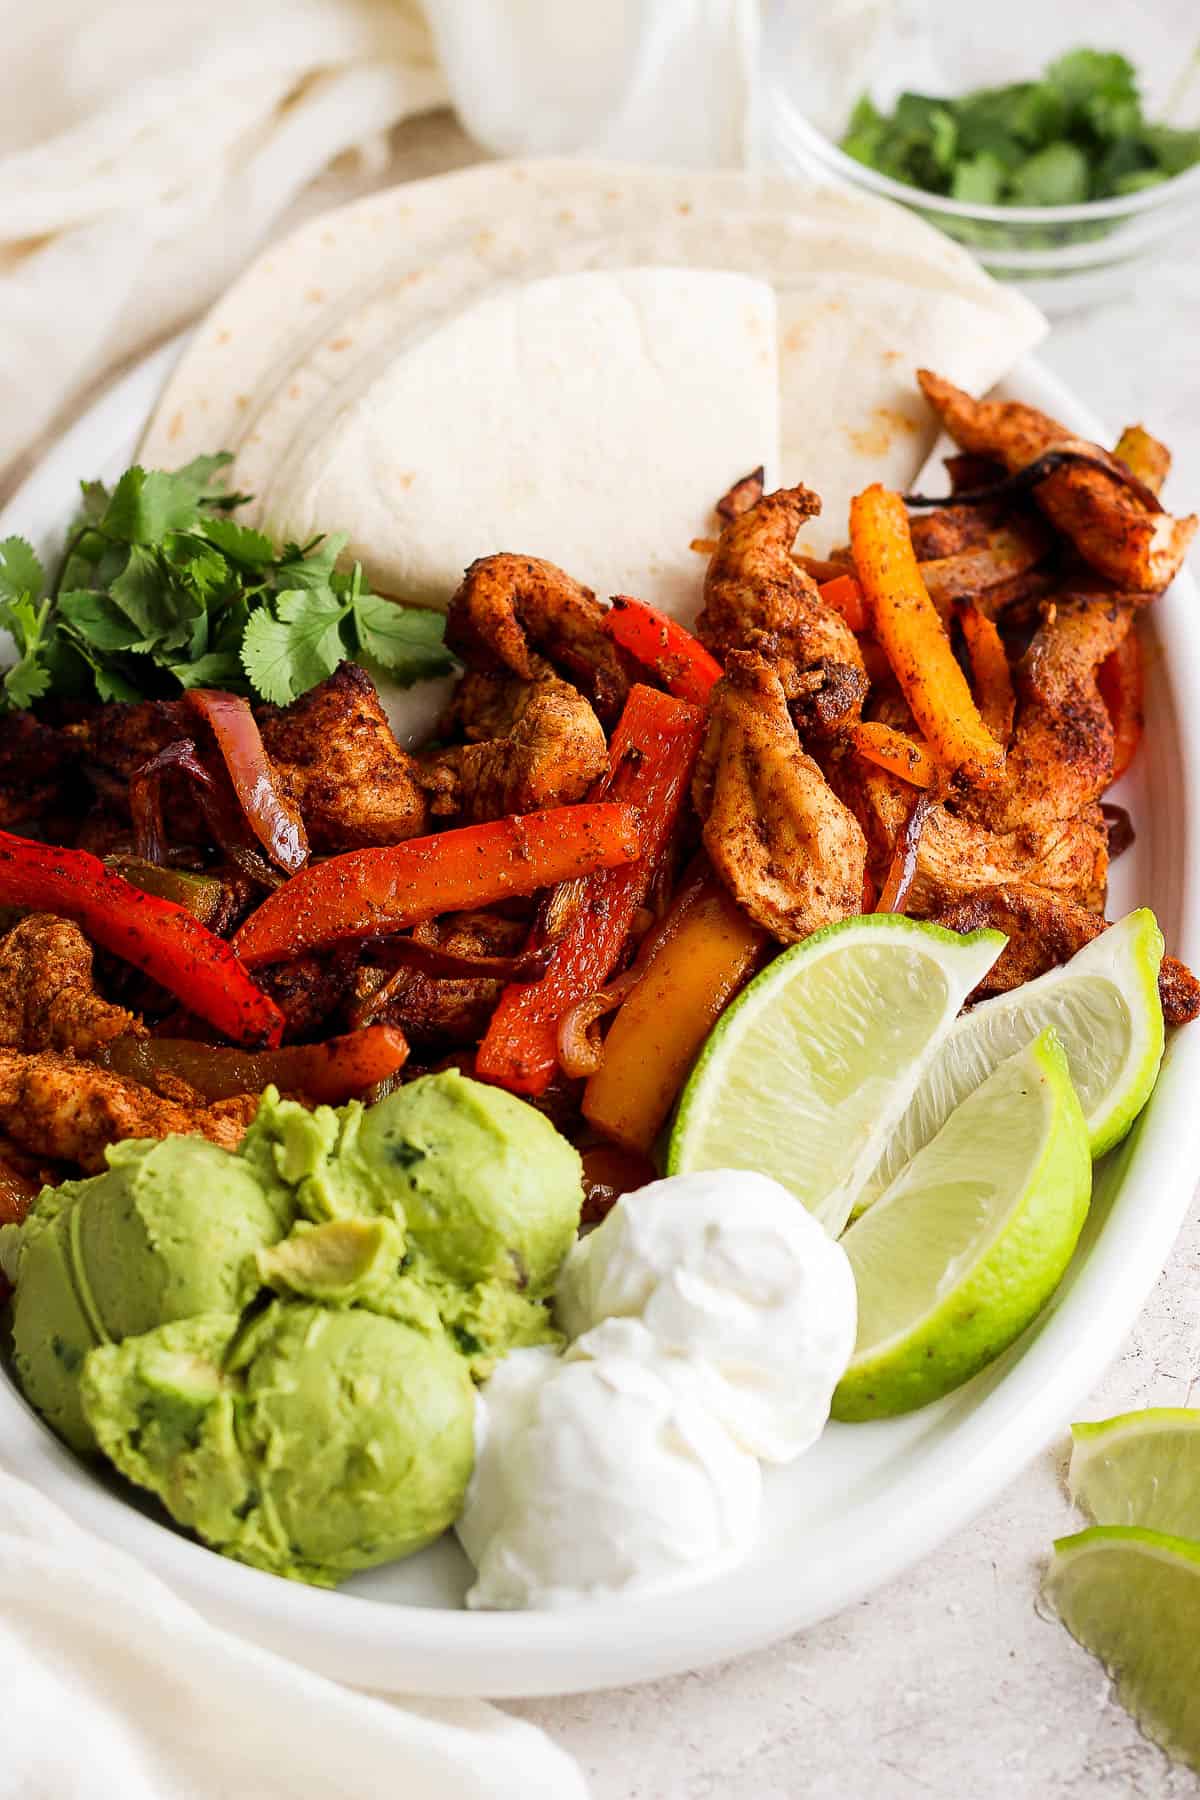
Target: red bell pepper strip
(662, 645)
(155, 935)
(653, 750)
(341, 1068)
(274, 820)
(371, 893)
(845, 596)
(1120, 680)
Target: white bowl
(868, 1500)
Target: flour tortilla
(592, 417)
(865, 293)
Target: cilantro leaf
(407, 641)
(97, 622)
(28, 678)
(20, 571)
(239, 543)
(289, 648)
(1077, 134)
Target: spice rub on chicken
(757, 596)
(788, 850)
(925, 722)
(57, 1107)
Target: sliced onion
(1069, 450)
(903, 867)
(580, 1051)
(273, 819)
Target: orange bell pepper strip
(894, 751)
(162, 939)
(912, 635)
(700, 962)
(662, 645)
(845, 596)
(651, 756)
(1121, 681)
(372, 893)
(989, 667)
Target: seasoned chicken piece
(37, 768)
(757, 597)
(47, 1001)
(535, 744)
(956, 856)
(1112, 527)
(337, 758)
(782, 842)
(1044, 931)
(439, 1011)
(521, 616)
(308, 990)
(114, 741)
(1061, 753)
(69, 1111)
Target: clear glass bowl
(817, 61)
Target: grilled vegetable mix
(160, 589)
(1077, 134)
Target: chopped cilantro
(160, 589)
(1077, 134)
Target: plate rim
(437, 1651)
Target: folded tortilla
(592, 419)
(865, 293)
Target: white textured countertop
(949, 1682)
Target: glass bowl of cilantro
(1065, 180)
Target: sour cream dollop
(601, 1472)
(728, 1272)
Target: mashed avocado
(312, 1443)
(279, 1342)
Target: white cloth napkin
(146, 150)
(111, 1688)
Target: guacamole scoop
(311, 1442)
(168, 1230)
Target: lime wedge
(971, 1239)
(1132, 1598)
(1141, 1468)
(806, 1075)
(1105, 1008)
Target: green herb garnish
(161, 589)
(1077, 134)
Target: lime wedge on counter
(806, 1075)
(1132, 1598)
(1105, 1008)
(968, 1243)
(1141, 1468)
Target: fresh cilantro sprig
(160, 589)
(1077, 134)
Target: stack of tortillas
(574, 361)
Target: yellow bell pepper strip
(371, 893)
(662, 645)
(700, 961)
(907, 625)
(162, 939)
(651, 757)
